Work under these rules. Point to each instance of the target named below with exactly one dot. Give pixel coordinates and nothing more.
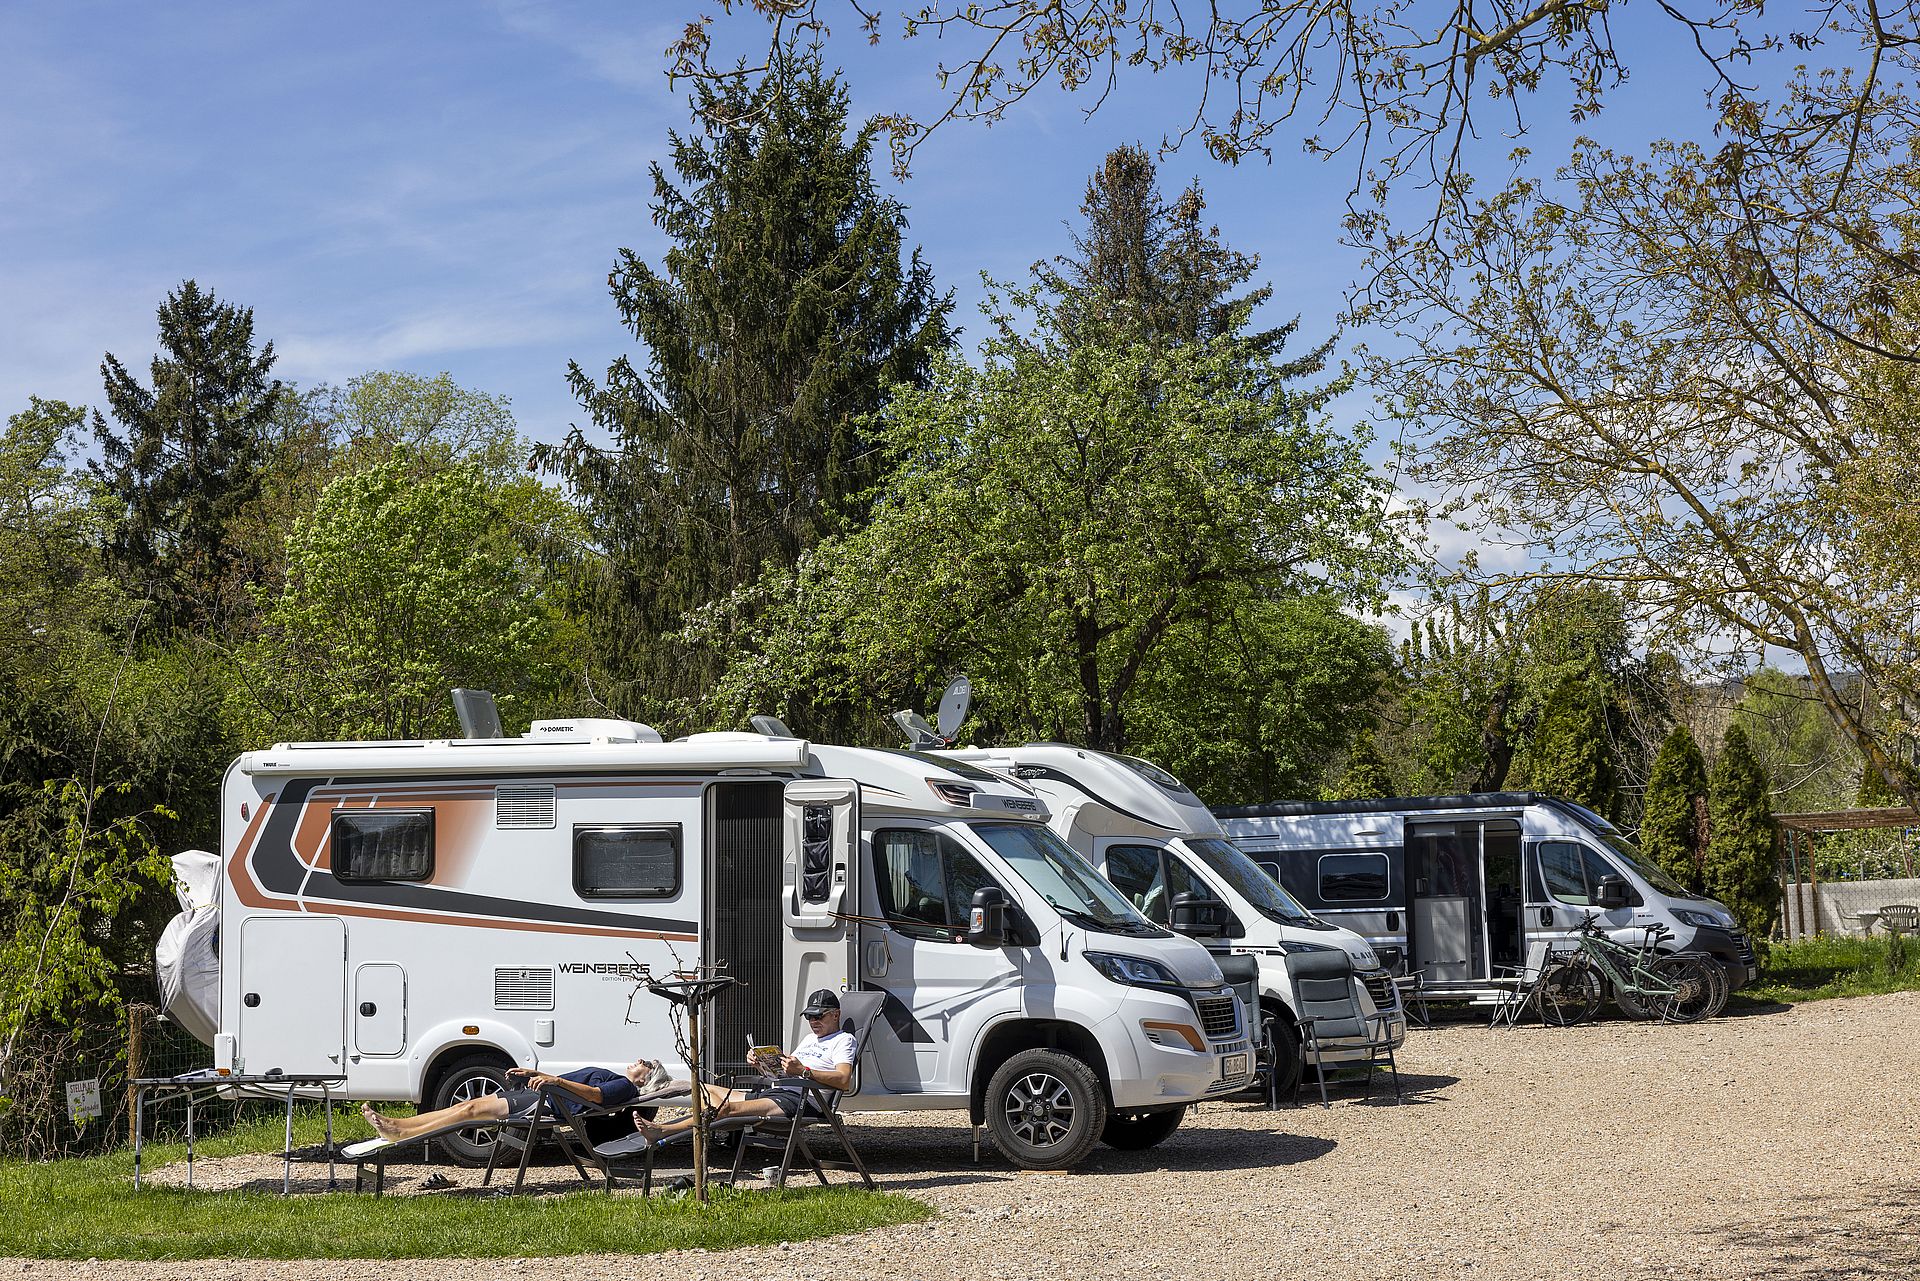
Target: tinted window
(381, 845)
(1136, 872)
(1346, 877)
(626, 862)
(926, 882)
(1571, 871)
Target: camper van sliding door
(1443, 880)
(744, 929)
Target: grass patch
(1817, 968)
(87, 1208)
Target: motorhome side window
(381, 845)
(1353, 877)
(627, 862)
(926, 881)
(1572, 872)
(1151, 878)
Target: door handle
(250, 1000)
(368, 1009)
(1546, 916)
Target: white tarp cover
(196, 879)
(187, 958)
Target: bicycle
(1679, 987)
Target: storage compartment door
(379, 1010)
(293, 994)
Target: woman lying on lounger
(599, 1086)
(826, 1056)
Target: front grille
(1380, 987)
(522, 988)
(1744, 946)
(1218, 1015)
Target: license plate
(1233, 1065)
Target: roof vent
(593, 730)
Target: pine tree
(1741, 868)
(187, 458)
(1572, 752)
(1366, 777)
(784, 311)
(1673, 825)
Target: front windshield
(1654, 874)
(1065, 880)
(1244, 875)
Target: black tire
(1288, 1067)
(1696, 989)
(1045, 1109)
(1137, 1130)
(469, 1078)
(1570, 993)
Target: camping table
(195, 1088)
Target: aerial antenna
(955, 701)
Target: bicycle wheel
(1569, 993)
(1694, 992)
(1722, 987)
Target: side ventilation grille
(522, 988)
(524, 805)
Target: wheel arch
(1004, 1040)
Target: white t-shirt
(824, 1053)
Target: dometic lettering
(620, 969)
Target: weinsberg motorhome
(1460, 888)
(1155, 841)
(416, 917)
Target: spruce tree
(186, 458)
(1673, 825)
(785, 309)
(1572, 752)
(1742, 870)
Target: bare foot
(382, 1126)
(652, 1132)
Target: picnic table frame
(195, 1088)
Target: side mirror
(1197, 917)
(987, 921)
(1610, 893)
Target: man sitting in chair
(601, 1087)
(825, 1057)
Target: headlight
(1699, 920)
(1132, 969)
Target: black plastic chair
(1242, 973)
(1331, 1020)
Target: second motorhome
(1155, 840)
(413, 918)
(1461, 889)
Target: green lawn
(1813, 969)
(87, 1208)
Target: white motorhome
(1460, 888)
(416, 917)
(1154, 839)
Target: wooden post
(699, 1101)
(1813, 876)
(136, 1050)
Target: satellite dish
(920, 735)
(955, 701)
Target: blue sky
(442, 186)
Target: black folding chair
(1331, 1020)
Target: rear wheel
(1045, 1109)
(473, 1077)
(1695, 989)
(1136, 1130)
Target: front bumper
(1164, 1066)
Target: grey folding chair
(820, 1107)
(1331, 1020)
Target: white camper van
(1459, 888)
(1155, 840)
(416, 917)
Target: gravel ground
(1777, 1144)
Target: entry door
(1446, 883)
(293, 994)
(939, 987)
(744, 928)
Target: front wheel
(1287, 1066)
(1570, 993)
(1136, 1131)
(1045, 1109)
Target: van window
(1135, 871)
(1571, 871)
(627, 862)
(1353, 877)
(381, 845)
(926, 881)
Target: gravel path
(1777, 1144)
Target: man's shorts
(787, 1100)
